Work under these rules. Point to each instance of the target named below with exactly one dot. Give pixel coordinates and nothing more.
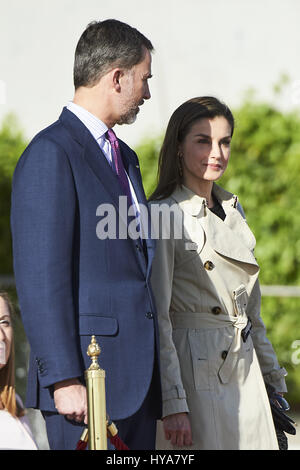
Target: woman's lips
(214, 166)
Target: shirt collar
(96, 127)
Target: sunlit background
(213, 47)
(245, 52)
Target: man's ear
(117, 74)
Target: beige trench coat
(206, 287)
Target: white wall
(219, 47)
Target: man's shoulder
(55, 133)
(50, 143)
(47, 132)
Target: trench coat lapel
(230, 239)
(233, 238)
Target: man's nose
(147, 94)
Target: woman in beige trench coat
(205, 281)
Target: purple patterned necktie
(118, 164)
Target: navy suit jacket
(71, 284)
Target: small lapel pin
(191, 246)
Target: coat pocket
(199, 354)
(98, 325)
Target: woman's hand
(177, 428)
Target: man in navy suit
(71, 282)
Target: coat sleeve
(43, 226)
(272, 372)
(173, 393)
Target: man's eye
(226, 143)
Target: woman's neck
(202, 189)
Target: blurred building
(216, 47)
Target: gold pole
(95, 382)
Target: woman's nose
(215, 150)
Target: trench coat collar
(231, 238)
(189, 201)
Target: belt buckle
(246, 331)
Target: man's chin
(128, 118)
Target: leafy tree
(264, 172)
(12, 144)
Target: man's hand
(177, 428)
(71, 400)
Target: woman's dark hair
(181, 121)
(104, 45)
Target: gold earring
(180, 169)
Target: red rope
(118, 443)
(115, 440)
(81, 445)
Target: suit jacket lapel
(94, 157)
(133, 172)
(101, 168)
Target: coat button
(209, 265)
(216, 310)
(224, 354)
(149, 315)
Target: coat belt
(207, 320)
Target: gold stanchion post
(95, 383)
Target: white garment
(15, 433)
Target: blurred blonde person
(15, 433)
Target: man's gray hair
(105, 45)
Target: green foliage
(148, 152)
(12, 145)
(264, 171)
